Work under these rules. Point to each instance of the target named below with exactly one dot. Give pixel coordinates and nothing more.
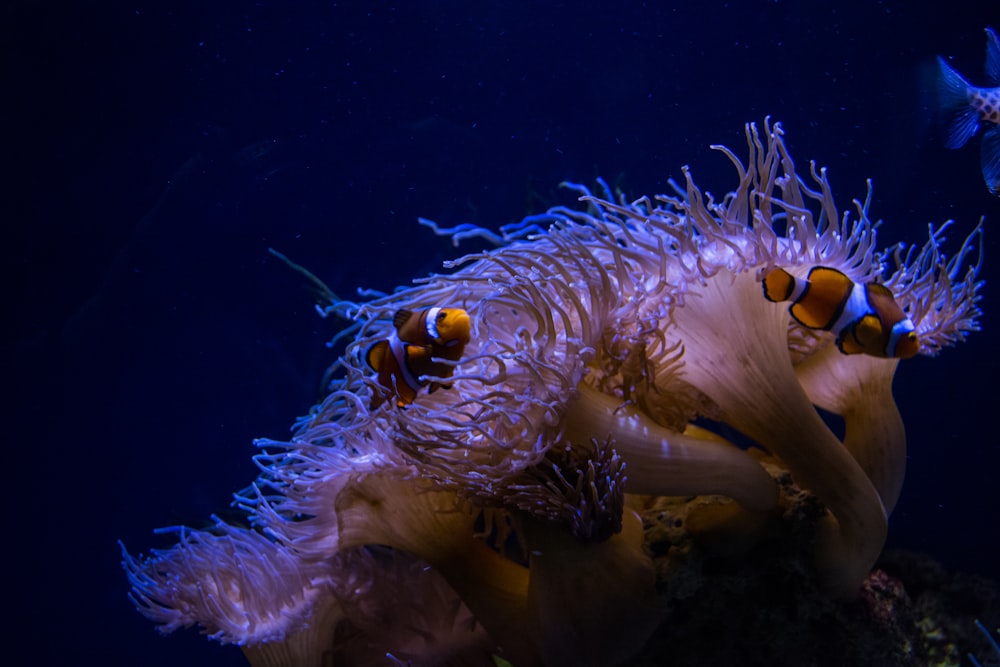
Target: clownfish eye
(442, 316)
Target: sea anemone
(240, 588)
(358, 606)
(615, 349)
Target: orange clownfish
(408, 353)
(865, 318)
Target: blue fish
(967, 107)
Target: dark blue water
(155, 151)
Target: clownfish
(968, 107)
(408, 353)
(865, 318)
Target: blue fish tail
(991, 159)
(953, 99)
(992, 58)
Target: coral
(615, 349)
(752, 598)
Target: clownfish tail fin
(778, 285)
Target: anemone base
(736, 589)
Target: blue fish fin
(991, 159)
(992, 58)
(953, 100)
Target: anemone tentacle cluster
(603, 340)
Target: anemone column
(737, 354)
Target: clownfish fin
(417, 353)
(880, 290)
(401, 317)
(434, 386)
(824, 298)
(778, 285)
(863, 336)
(847, 343)
(376, 354)
(405, 394)
(868, 331)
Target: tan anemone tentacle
(737, 355)
(859, 389)
(663, 462)
(437, 527)
(307, 647)
(241, 588)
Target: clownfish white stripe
(856, 303)
(431, 322)
(796, 288)
(899, 330)
(398, 348)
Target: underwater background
(156, 151)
